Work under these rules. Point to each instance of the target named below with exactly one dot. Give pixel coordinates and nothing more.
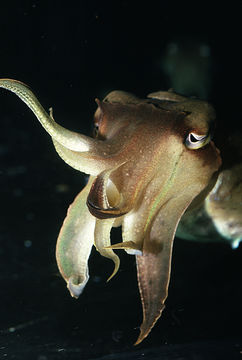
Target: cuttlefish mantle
(149, 160)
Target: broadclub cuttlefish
(152, 165)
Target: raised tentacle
(69, 139)
(87, 162)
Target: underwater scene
(121, 181)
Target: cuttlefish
(149, 161)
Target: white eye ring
(195, 141)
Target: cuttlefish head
(154, 146)
(149, 160)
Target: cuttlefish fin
(169, 95)
(154, 265)
(122, 97)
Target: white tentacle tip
(235, 243)
(75, 286)
(135, 252)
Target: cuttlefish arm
(68, 139)
(79, 151)
(154, 266)
(79, 232)
(75, 242)
(150, 159)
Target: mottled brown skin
(148, 161)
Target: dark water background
(70, 53)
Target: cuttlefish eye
(194, 141)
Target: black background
(70, 53)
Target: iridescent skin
(151, 158)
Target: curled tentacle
(102, 242)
